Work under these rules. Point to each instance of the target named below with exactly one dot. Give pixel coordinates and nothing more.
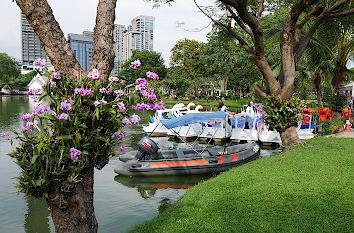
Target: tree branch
(340, 14)
(259, 90)
(260, 9)
(239, 22)
(40, 16)
(229, 31)
(251, 21)
(336, 5)
(103, 53)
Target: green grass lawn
(307, 188)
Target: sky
(75, 16)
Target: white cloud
(79, 15)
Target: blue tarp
(192, 118)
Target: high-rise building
(138, 36)
(81, 45)
(119, 30)
(31, 46)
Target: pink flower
(82, 92)
(152, 75)
(46, 108)
(120, 135)
(65, 105)
(96, 103)
(135, 119)
(264, 94)
(31, 125)
(135, 64)
(38, 110)
(52, 83)
(113, 79)
(39, 62)
(62, 116)
(103, 90)
(121, 149)
(94, 74)
(142, 81)
(119, 92)
(56, 75)
(6, 136)
(121, 106)
(74, 153)
(278, 96)
(33, 91)
(26, 117)
(126, 121)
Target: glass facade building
(31, 46)
(81, 45)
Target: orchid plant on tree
(281, 114)
(76, 124)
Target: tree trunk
(76, 213)
(40, 16)
(103, 52)
(339, 76)
(290, 137)
(317, 80)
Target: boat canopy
(192, 118)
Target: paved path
(344, 135)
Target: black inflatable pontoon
(149, 161)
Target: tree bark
(76, 213)
(317, 80)
(290, 137)
(40, 16)
(339, 76)
(103, 53)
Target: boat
(155, 128)
(268, 136)
(246, 127)
(150, 161)
(306, 127)
(184, 162)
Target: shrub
(81, 124)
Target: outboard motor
(147, 149)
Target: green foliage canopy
(8, 69)
(187, 55)
(150, 61)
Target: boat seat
(213, 152)
(180, 154)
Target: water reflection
(147, 187)
(37, 216)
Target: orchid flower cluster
(278, 113)
(75, 123)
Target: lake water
(120, 202)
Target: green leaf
(77, 101)
(34, 158)
(83, 126)
(64, 137)
(97, 113)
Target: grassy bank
(307, 188)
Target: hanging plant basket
(67, 189)
(58, 178)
